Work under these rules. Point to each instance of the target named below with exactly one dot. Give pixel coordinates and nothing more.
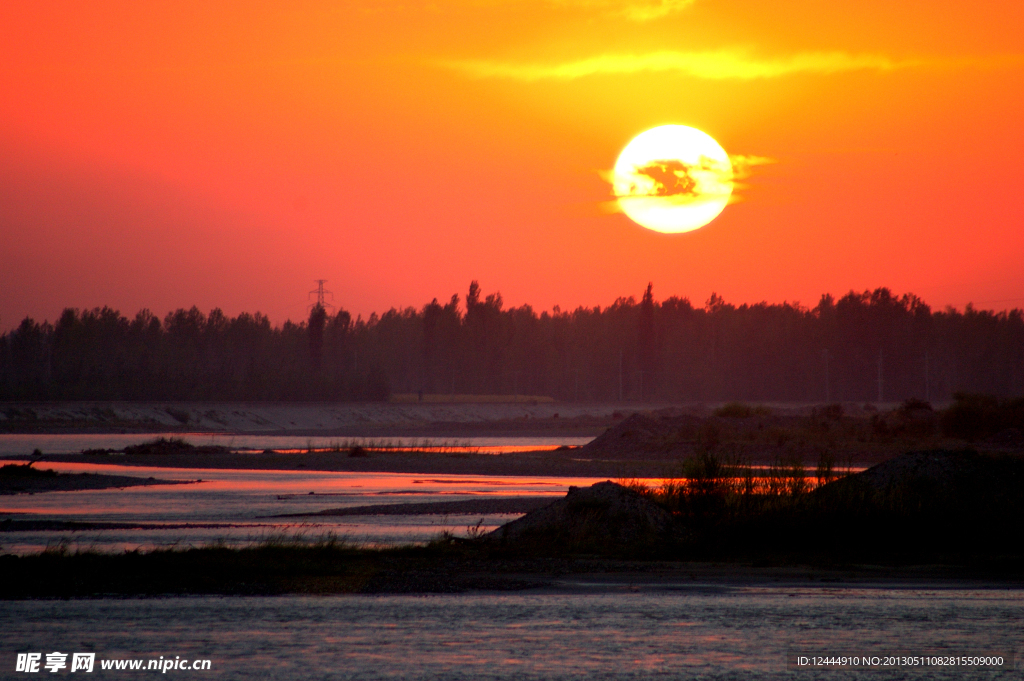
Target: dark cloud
(670, 177)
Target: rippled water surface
(685, 631)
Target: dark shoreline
(316, 418)
(451, 568)
(20, 525)
(453, 430)
(74, 482)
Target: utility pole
(577, 394)
(828, 393)
(927, 381)
(620, 375)
(880, 392)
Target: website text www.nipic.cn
(30, 663)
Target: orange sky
(225, 154)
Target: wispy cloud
(743, 164)
(716, 65)
(635, 10)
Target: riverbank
(362, 419)
(590, 440)
(439, 569)
(332, 419)
(333, 568)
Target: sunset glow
(225, 155)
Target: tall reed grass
(711, 488)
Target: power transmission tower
(321, 294)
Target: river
(576, 631)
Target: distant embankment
(440, 398)
(302, 418)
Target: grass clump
(161, 445)
(172, 445)
(713, 491)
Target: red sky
(226, 154)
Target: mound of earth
(962, 483)
(935, 468)
(644, 436)
(603, 517)
(935, 507)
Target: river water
(236, 507)
(579, 631)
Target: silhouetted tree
(645, 333)
(715, 352)
(315, 327)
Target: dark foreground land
(918, 518)
(327, 569)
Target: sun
(673, 178)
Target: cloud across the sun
(723, 64)
(742, 167)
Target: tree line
(866, 346)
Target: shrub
(973, 416)
(738, 410)
(830, 412)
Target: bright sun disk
(672, 179)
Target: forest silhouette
(867, 346)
